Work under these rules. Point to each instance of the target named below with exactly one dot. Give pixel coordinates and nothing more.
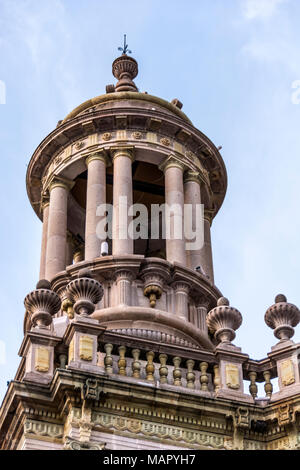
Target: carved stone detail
(42, 304)
(106, 136)
(282, 317)
(287, 372)
(232, 376)
(223, 320)
(42, 360)
(86, 348)
(84, 292)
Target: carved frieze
(159, 431)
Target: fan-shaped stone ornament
(282, 317)
(223, 321)
(125, 69)
(84, 292)
(42, 304)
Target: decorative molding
(43, 429)
(158, 431)
(72, 444)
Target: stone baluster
(217, 378)
(78, 255)
(108, 360)
(204, 376)
(163, 370)
(62, 360)
(150, 368)
(190, 376)
(177, 371)
(268, 385)
(67, 307)
(253, 387)
(136, 365)
(122, 361)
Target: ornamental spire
(125, 69)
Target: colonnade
(181, 187)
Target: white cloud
(260, 9)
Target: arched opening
(148, 189)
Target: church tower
(127, 340)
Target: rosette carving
(282, 317)
(42, 304)
(223, 321)
(84, 292)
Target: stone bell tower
(127, 340)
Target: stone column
(123, 280)
(174, 197)
(45, 209)
(181, 289)
(192, 195)
(206, 260)
(202, 306)
(96, 195)
(122, 244)
(69, 250)
(57, 228)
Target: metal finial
(124, 49)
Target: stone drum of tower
(120, 150)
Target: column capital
(61, 183)
(122, 151)
(45, 201)
(191, 175)
(99, 155)
(209, 215)
(172, 162)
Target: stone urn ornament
(223, 321)
(84, 292)
(282, 317)
(42, 304)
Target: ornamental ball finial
(85, 272)
(43, 284)
(223, 301)
(280, 298)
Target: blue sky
(231, 62)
